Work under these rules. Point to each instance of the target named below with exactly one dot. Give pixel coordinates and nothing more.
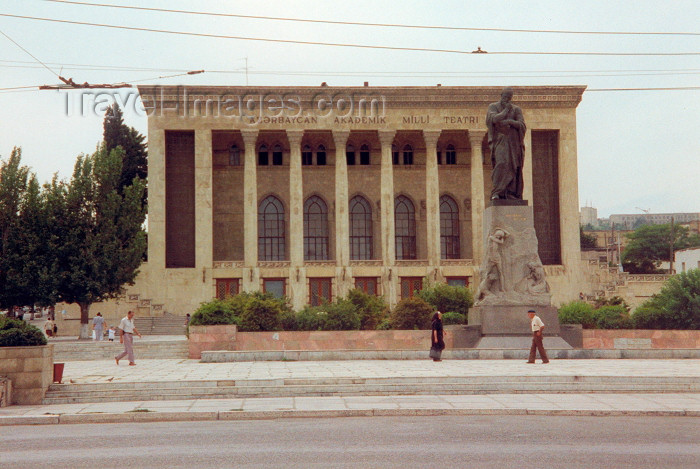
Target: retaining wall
(640, 339)
(31, 371)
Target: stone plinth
(508, 319)
(30, 369)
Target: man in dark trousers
(537, 327)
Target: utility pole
(670, 247)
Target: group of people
(437, 340)
(98, 325)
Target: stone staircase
(168, 324)
(105, 350)
(324, 386)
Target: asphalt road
(391, 442)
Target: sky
(638, 149)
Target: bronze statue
(506, 129)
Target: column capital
(476, 136)
(431, 138)
(294, 137)
(250, 136)
(386, 137)
(340, 138)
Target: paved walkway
(681, 404)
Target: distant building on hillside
(589, 216)
(632, 221)
(686, 259)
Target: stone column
(343, 275)
(203, 206)
(154, 269)
(432, 197)
(251, 279)
(527, 169)
(568, 201)
(389, 280)
(297, 277)
(477, 194)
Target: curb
(154, 416)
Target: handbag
(434, 353)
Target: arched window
(360, 228)
(277, 155)
(271, 233)
(350, 155)
(394, 153)
(263, 155)
(321, 155)
(439, 157)
(450, 155)
(315, 229)
(234, 155)
(407, 154)
(449, 228)
(364, 154)
(306, 156)
(405, 228)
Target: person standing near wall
(98, 326)
(436, 338)
(126, 337)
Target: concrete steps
(164, 325)
(105, 350)
(230, 389)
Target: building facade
(631, 221)
(309, 192)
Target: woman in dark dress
(437, 342)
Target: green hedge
(446, 298)
(451, 318)
(17, 333)
(676, 306)
(412, 313)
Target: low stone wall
(5, 392)
(31, 371)
(640, 339)
(211, 338)
(205, 338)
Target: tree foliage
(446, 298)
(134, 150)
(588, 241)
(676, 306)
(649, 245)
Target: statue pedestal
(512, 281)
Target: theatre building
(309, 192)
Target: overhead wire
(350, 45)
(29, 53)
(384, 25)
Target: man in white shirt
(537, 327)
(126, 337)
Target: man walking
(126, 337)
(98, 325)
(537, 327)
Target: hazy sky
(636, 149)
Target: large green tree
(649, 245)
(135, 153)
(102, 236)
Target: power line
(359, 46)
(30, 54)
(383, 25)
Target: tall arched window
(306, 156)
(271, 231)
(315, 229)
(449, 228)
(321, 155)
(364, 154)
(350, 155)
(450, 154)
(277, 155)
(407, 154)
(234, 155)
(405, 228)
(360, 228)
(263, 155)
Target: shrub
(412, 313)
(612, 301)
(452, 318)
(676, 306)
(311, 318)
(17, 333)
(577, 312)
(445, 298)
(342, 316)
(612, 317)
(213, 313)
(385, 325)
(371, 309)
(261, 314)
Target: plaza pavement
(644, 402)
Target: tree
(648, 245)
(588, 241)
(676, 306)
(135, 153)
(102, 239)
